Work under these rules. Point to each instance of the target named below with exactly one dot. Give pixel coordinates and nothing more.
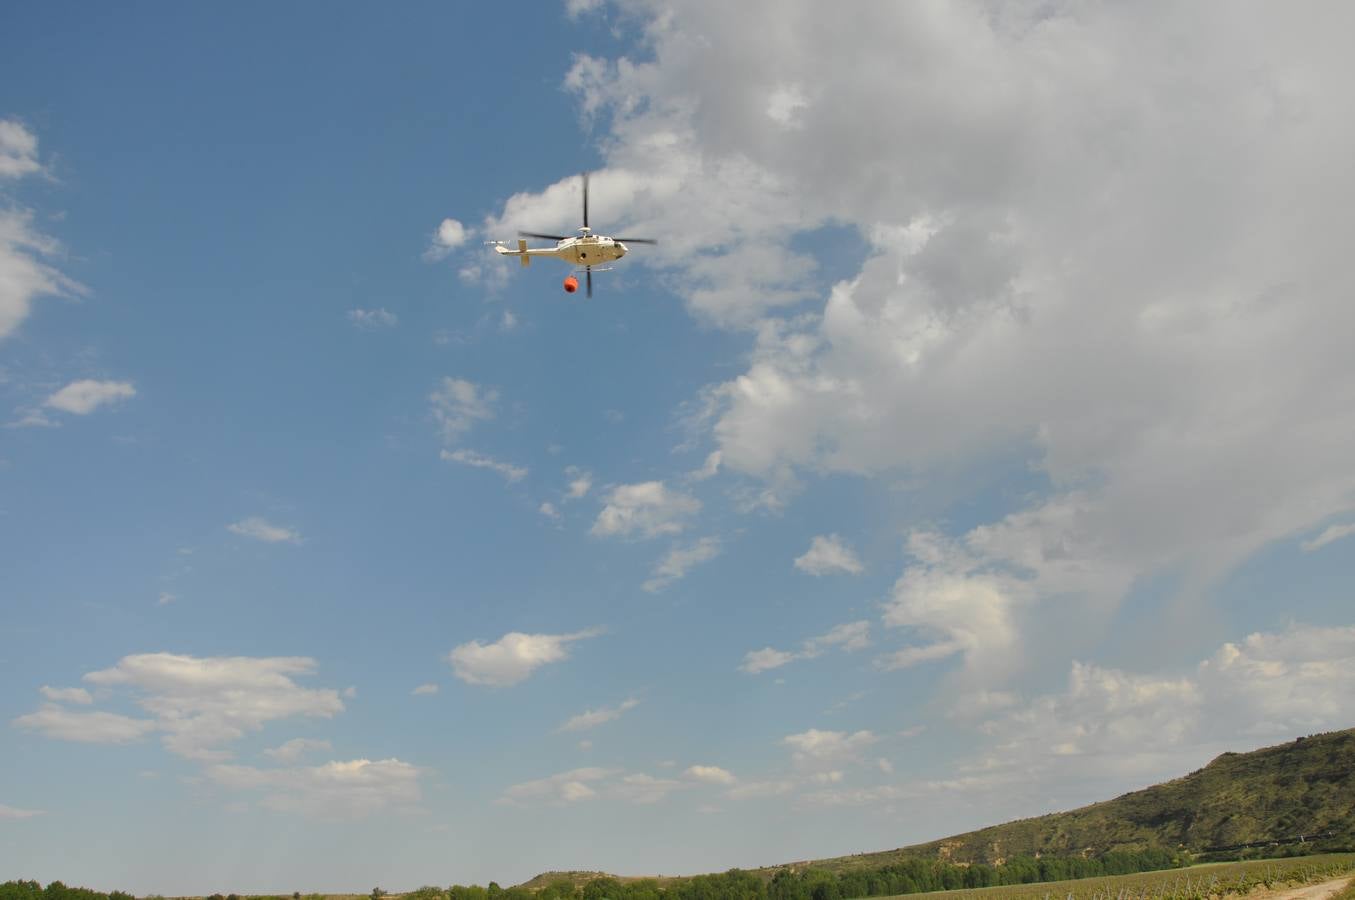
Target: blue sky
(974, 444)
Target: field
(1193, 883)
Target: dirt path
(1320, 891)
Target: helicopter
(584, 251)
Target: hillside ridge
(1285, 792)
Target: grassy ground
(1193, 883)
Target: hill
(1304, 787)
(1277, 794)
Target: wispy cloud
(595, 717)
(260, 529)
(476, 460)
(849, 636)
(679, 561)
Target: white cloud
(458, 404)
(1143, 408)
(681, 560)
(710, 774)
(850, 636)
(83, 397)
(580, 483)
(576, 8)
(785, 104)
(296, 748)
(548, 510)
(424, 690)
(67, 695)
(647, 509)
(815, 749)
(645, 789)
(755, 661)
(565, 787)
(709, 469)
(476, 460)
(1108, 729)
(885, 766)
(260, 529)
(201, 703)
(87, 727)
(591, 783)
(24, 272)
(828, 554)
(508, 321)
(513, 657)
(18, 150)
(1330, 534)
(1299, 680)
(373, 318)
(752, 789)
(14, 812)
(951, 599)
(594, 717)
(334, 791)
(450, 235)
(165, 598)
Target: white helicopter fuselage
(584, 250)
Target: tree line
(910, 876)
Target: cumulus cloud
(647, 510)
(81, 398)
(815, 749)
(949, 599)
(260, 529)
(296, 748)
(710, 775)
(373, 318)
(197, 704)
(458, 404)
(1009, 271)
(335, 791)
(828, 554)
(548, 510)
(508, 471)
(450, 235)
(594, 717)
(67, 695)
(679, 561)
(1109, 729)
(850, 636)
(512, 658)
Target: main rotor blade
(585, 199)
(544, 237)
(636, 240)
(588, 273)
